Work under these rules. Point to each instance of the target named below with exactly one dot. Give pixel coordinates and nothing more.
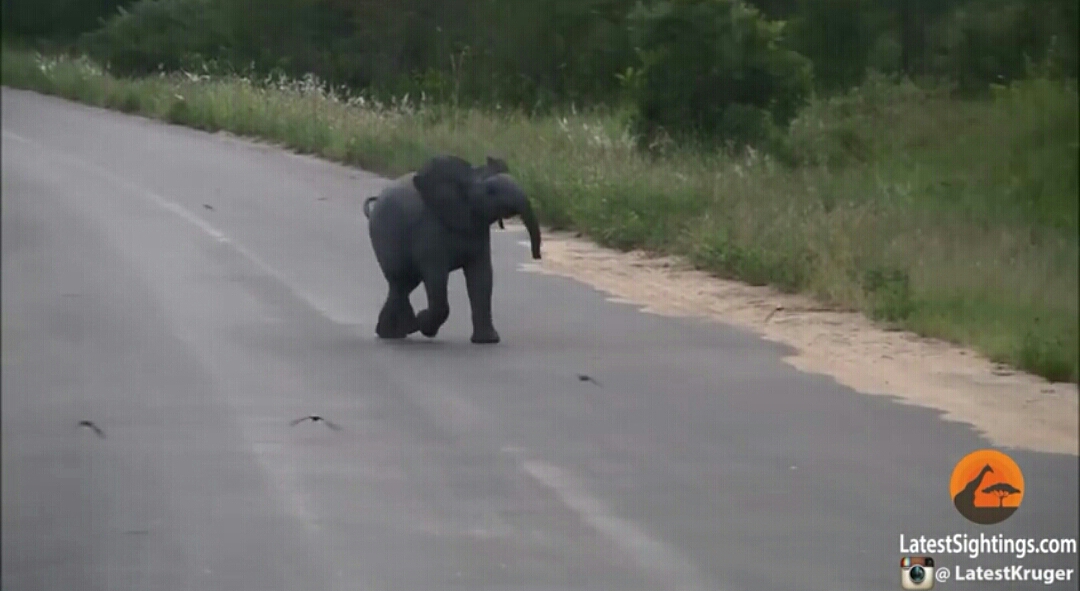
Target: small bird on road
(584, 378)
(315, 419)
(90, 425)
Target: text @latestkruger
(1012, 573)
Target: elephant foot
(396, 330)
(426, 324)
(390, 333)
(487, 336)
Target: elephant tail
(368, 204)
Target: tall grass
(956, 220)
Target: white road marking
(652, 555)
(203, 225)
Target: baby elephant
(437, 222)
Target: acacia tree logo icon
(987, 487)
(1002, 490)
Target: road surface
(191, 294)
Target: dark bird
(90, 425)
(207, 206)
(315, 419)
(584, 378)
(774, 311)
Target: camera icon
(916, 572)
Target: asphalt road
(191, 294)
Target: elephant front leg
(478, 283)
(431, 319)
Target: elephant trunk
(528, 217)
(510, 200)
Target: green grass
(956, 220)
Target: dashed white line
(652, 555)
(178, 210)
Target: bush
(714, 71)
(1038, 132)
(58, 20)
(847, 128)
(158, 35)
(981, 45)
(837, 37)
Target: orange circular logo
(987, 487)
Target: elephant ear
(496, 166)
(449, 186)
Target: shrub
(715, 71)
(1039, 120)
(158, 35)
(837, 36)
(847, 128)
(981, 45)
(57, 20)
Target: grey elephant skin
(440, 222)
(492, 167)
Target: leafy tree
(726, 70)
(63, 19)
(715, 70)
(166, 34)
(836, 35)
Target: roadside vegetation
(931, 184)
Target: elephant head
(453, 189)
(492, 167)
(503, 198)
(469, 200)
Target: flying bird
(90, 425)
(315, 419)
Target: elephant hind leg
(431, 319)
(397, 319)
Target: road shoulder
(1010, 408)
